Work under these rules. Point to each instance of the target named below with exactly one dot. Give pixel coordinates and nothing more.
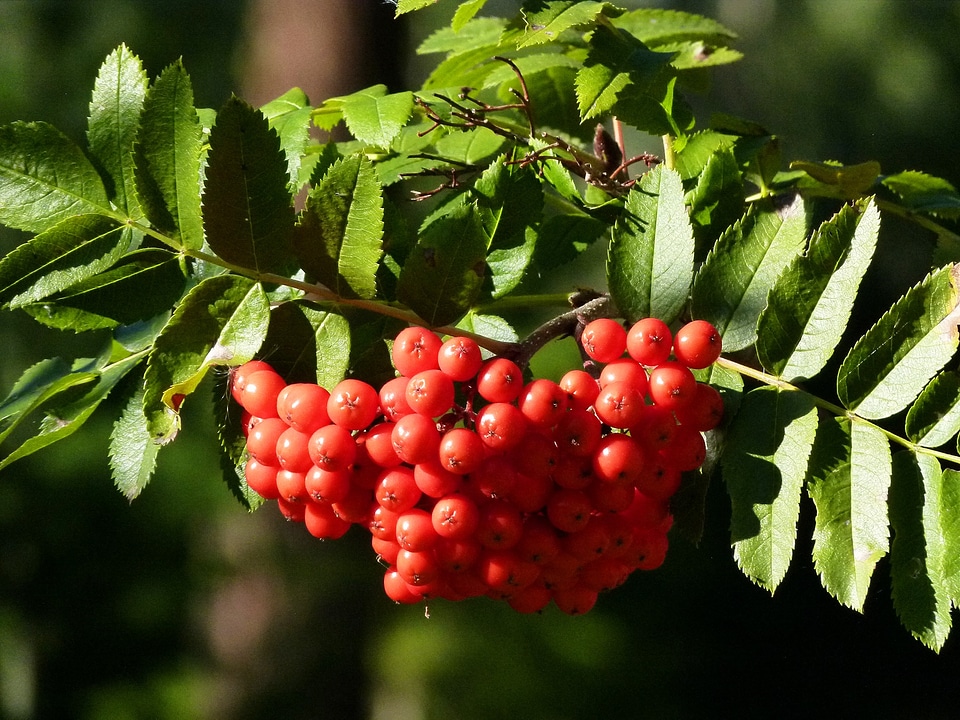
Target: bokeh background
(182, 605)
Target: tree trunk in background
(325, 47)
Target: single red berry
(705, 411)
(260, 392)
(539, 542)
(263, 438)
(430, 393)
(378, 441)
(415, 531)
(531, 599)
(618, 457)
(353, 404)
(398, 589)
(627, 371)
(325, 486)
(604, 339)
(461, 451)
(569, 510)
(543, 402)
(332, 448)
(611, 496)
(456, 517)
(581, 389)
(505, 570)
(460, 358)
(499, 380)
(239, 375)
(414, 350)
(323, 523)
(687, 450)
(293, 450)
(697, 344)
(397, 490)
(619, 405)
(672, 385)
(577, 433)
(457, 555)
(501, 426)
(303, 406)
(416, 439)
(261, 478)
(496, 476)
(418, 568)
(292, 486)
(393, 399)
(576, 600)
(434, 480)
(649, 341)
(500, 525)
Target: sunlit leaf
(889, 366)
(289, 117)
(375, 117)
(650, 261)
(118, 96)
(732, 285)
(850, 471)
(551, 18)
(810, 304)
(935, 417)
(45, 178)
(133, 454)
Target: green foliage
(468, 205)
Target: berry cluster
(472, 481)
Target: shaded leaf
(339, 238)
(950, 525)
(888, 367)
(63, 420)
(167, 155)
(650, 260)
(655, 26)
(850, 471)
(248, 213)
(935, 417)
(764, 465)
(118, 96)
(833, 179)
(444, 272)
(563, 237)
(75, 249)
(221, 321)
(45, 178)
(917, 553)
(920, 192)
(809, 306)
(731, 287)
(133, 454)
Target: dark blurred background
(181, 605)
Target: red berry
(263, 438)
(627, 371)
(577, 433)
(393, 399)
(500, 526)
(697, 344)
(293, 450)
(619, 405)
(434, 480)
(415, 350)
(499, 380)
(261, 478)
(353, 404)
(649, 341)
(292, 486)
(418, 568)
(456, 517)
(604, 339)
(705, 411)
(332, 448)
(543, 402)
(322, 522)
(618, 457)
(415, 531)
(501, 426)
(378, 441)
(576, 600)
(303, 406)
(239, 375)
(397, 490)
(672, 385)
(398, 589)
(460, 358)
(581, 389)
(416, 439)
(324, 486)
(461, 451)
(430, 393)
(260, 392)
(569, 510)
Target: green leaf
(376, 118)
(833, 179)
(118, 96)
(339, 238)
(850, 472)
(549, 19)
(615, 60)
(950, 526)
(116, 296)
(470, 147)
(489, 326)
(405, 6)
(64, 420)
(478, 32)
(75, 249)
(656, 26)
(221, 321)
(810, 304)
(444, 272)
(920, 192)
(133, 454)
(167, 154)
(888, 367)
(45, 178)
(717, 199)
(248, 213)
(40, 384)
(935, 417)
(233, 444)
(331, 339)
(650, 260)
(917, 554)
(764, 464)
(289, 117)
(465, 13)
(563, 237)
(731, 287)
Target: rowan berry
(260, 392)
(261, 478)
(332, 448)
(416, 439)
(397, 490)
(455, 516)
(499, 380)
(569, 510)
(697, 344)
(619, 405)
(581, 389)
(461, 451)
(323, 523)
(430, 393)
(239, 375)
(460, 358)
(303, 406)
(501, 426)
(604, 339)
(393, 399)
(543, 402)
(353, 404)
(415, 531)
(414, 350)
(649, 341)
(672, 385)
